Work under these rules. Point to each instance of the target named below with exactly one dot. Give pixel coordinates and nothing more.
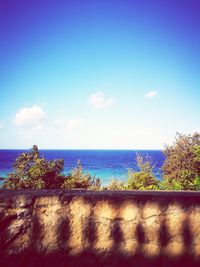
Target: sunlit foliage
(182, 164)
(143, 179)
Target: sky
(99, 74)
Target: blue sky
(98, 74)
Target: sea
(104, 164)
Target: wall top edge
(106, 193)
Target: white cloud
(1, 125)
(99, 100)
(74, 123)
(66, 127)
(32, 117)
(151, 94)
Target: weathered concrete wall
(84, 228)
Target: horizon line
(83, 148)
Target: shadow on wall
(100, 229)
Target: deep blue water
(106, 164)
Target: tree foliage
(116, 185)
(31, 171)
(182, 164)
(78, 179)
(143, 179)
(181, 171)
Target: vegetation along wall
(106, 228)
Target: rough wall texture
(84, 228)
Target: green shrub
(34, 172)
(182, 164)
(115, 185)
(144, 178)
(78, 179)
(142, 181)
(31, 171)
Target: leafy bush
(181, 171)
(78, 179)
(196, 151)
(115, 185)
(182, 164)
(144, 178)
(32, 171)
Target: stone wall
(84, 228)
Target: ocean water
(105, 164)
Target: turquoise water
(105, 164)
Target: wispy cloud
(151, 94)
(99, 100)
(1, 125)
(30, 117)
(67, 126)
